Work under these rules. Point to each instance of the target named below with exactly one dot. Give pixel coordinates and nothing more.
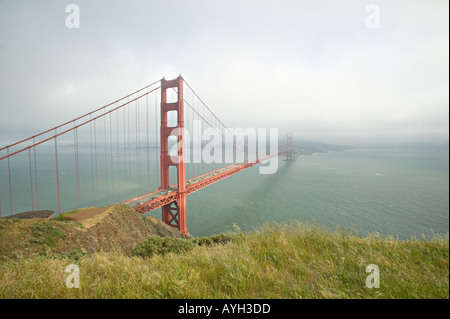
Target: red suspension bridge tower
(174, 213)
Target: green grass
(276, 262)
(65, 217)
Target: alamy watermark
(73, 279)
(73, 19)
(373, 19)
(233, 146)
(373, 280)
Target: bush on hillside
(215, 239)
(156, 245)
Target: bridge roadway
(161, 197)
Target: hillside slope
(115, 228)
(295, 261)
(118, 258)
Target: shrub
(75, 254)
(156, 245)
(215, 239)
(45, 233)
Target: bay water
(400, 192)
(392, 191)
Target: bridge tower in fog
(289, 147)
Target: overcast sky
(312, 67)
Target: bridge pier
(173, 214)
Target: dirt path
(89, 217)
(86, 213)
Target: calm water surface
(401, 192)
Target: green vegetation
(75, 254)
(156, 245)
(66, 215)
(214, 239)
(45, 233)
(4, 223)
(276, 262)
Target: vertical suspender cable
(186, 133)
(78, 174)
(111, 154)
(157, 141)
(35, 177)
(138, 151)
(9, 177)
(203, 163)
(92, 165)
(199, 155)
(148, 145)
(77, 167)
(31, 180)
(193, 138)
(125, 153)
(95, 156)
(129, 150)
(106, 187)
(118, 153)
(57, 174)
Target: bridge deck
(163, 197)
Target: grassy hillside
(115, 228)
(276, 262)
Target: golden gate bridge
(131, 151)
